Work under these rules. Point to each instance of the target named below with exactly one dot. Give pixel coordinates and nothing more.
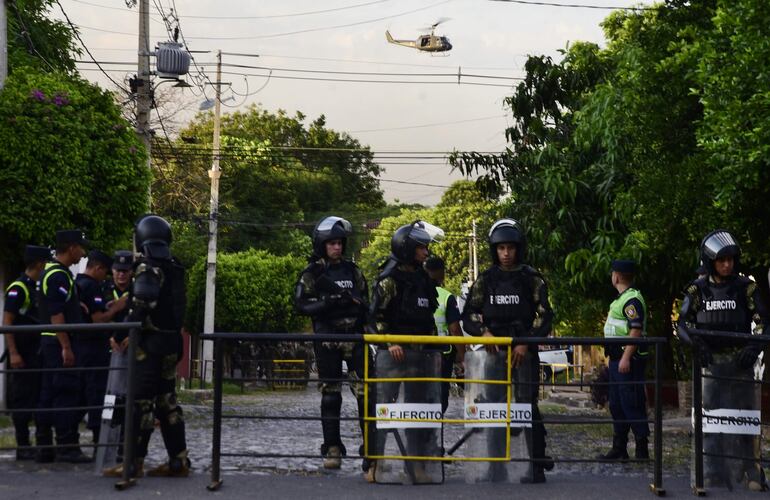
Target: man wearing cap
(447, 319)
(21, 309)
(93, 348)
(117, 289)
(59, 304)
(627, 318)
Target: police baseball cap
(123, 260)
(70, 237)
(623, 266)
(100, 257)
(34, 253)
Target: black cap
(71, 236)
(434, 263)
(34, 253)
(123, 260)
(100, 257)
(624, 266)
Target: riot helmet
(327, 229)
(507, 231)
(716, 245)
(407, 238)
(152, 236)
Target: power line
(574, 5)
(288, 33)
(77, 35)
(273, 16)
(426, 125)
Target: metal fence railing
(217, 454)
(128, 424)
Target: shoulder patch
(631, 311)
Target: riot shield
(112, 418)
(731, 425)
(408, 400)
(489, 402)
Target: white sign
(109, 406)
(498, 411)
(728, 421)
(418, 411)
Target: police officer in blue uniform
(59, 303)
(627, 401)
(22, 349)
(93, 348)
(447, 318)
(332, 290)
(117, 289)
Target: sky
(490, 39)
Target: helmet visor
(328, 223)
(720, 244)
(503, 223)
(425, 233)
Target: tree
(277, 172)
(460, 205)
(35, 40)
(69, 160)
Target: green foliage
(459, 206)
(35, 40)
(267, 183)
(255, 293)
(637, 150)
(69, 160)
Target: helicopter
(425, 43)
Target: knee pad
(168, 410)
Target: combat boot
(642, 450)
(23, 450)
(179, 466)
(117, 471)
(44, 455)
(618, 450)
(369, 476)
(333, 458)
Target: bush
(255, 293)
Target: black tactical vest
(168, 313)
(723, 306)
(339, 279)
(411, 310)
(508, 306)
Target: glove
(748, 356)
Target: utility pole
(475, 254)
(211, 258)
(144, 86)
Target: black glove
(748, 356)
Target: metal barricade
(504, 342)
(727, 420)
(128, 407)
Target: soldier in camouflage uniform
(510, 299)
(332, 291)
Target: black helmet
(152, 236)
(717, 244)
(507, 231)
(407, 238)
(330, 228)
